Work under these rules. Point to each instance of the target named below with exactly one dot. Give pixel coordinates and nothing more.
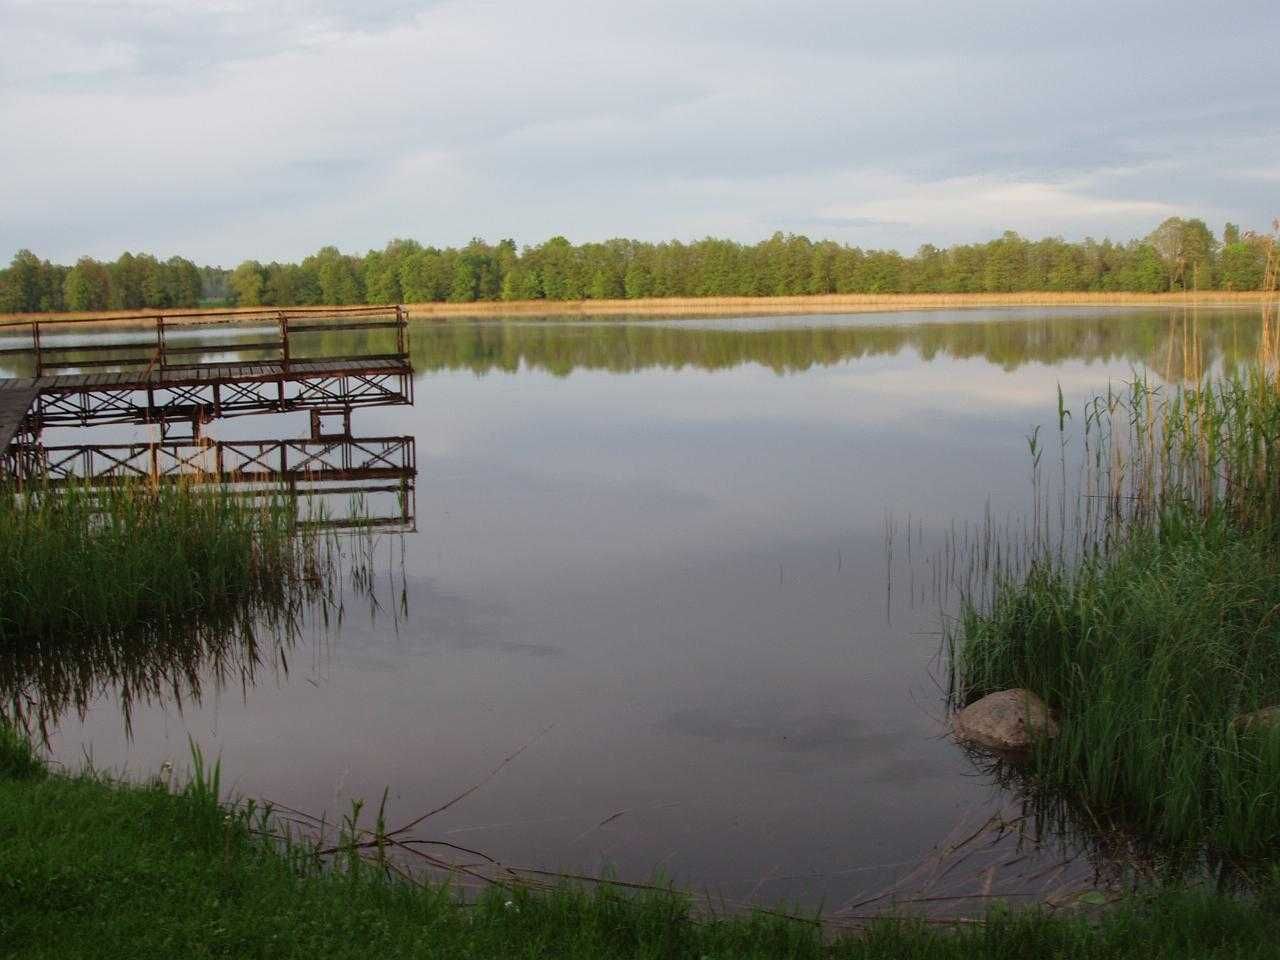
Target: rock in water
(1009, 721)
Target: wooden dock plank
(14, 404)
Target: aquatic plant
(79, 561)
(1142, 602)
(1147, 654)
(157, 591)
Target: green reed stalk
(151, 592)
(1150, 623)
(78, 562)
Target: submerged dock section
(181, 373)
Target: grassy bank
(89, 868)
(1148, 618)
(705, 306)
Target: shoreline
(164, 866)
(687, 306)
(824, 303)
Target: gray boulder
(1009, 721)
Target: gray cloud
(230, 129)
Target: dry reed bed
(691, 306)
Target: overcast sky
(223, 130)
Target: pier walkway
(182, 372)
(16, 397)
(172, 369)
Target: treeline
(1180, 254)
(132, 282)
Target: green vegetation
(1147, 656)
(32, 285)
(1178, 255)
(80, 562)
(1148, 621)
(91, 868)
(146, 589)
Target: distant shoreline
(824, 303)
(705, 306)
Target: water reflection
(170, 666)
(1173, 343)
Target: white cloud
(995, 203)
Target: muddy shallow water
(669, 558)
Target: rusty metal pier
(183, 372)
(162, 373)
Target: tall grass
(1142, 602)
(1147, 654)
(80, 561)
(146, 590)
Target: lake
(687, 568)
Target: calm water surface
(655, 552)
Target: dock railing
(185, 340)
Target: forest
(1179, 254)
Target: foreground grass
(94, 869)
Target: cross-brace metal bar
(234, 390)
(319, 471)
(219, 461)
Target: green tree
(25, 282)
(1187, 248)
(182, 281)
(152, 281)
(126, 282)
(1005, 264)
(1242, 266)
(382, 278)
(337, 277)
(248, 282)
(465, 280)
(87, 286)
(422, 278)
(1179, 253)
(638, 281)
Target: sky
(223, 130)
